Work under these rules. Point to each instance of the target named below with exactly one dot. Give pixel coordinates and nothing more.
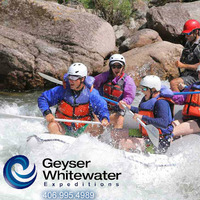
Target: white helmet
(151, 81)
(117, 58)
(77, 69)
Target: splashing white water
(137, 181)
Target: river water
(136, 182)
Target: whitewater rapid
(137, 181)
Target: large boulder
(23, 55)
(140, 38)
(80, 36)
(121, 33)
(157, 58)
(140, 11)
(169, 20)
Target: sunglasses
(73, 78)
(144, 88)
(117, 66)
(188, 33)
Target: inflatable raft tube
(61, 142)
(178, 149)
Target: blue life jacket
(147, 108)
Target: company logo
(11, 175)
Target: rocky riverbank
(44, 36)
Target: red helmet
(191, 25)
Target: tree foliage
(116, 12)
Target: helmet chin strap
(122, 71)
(81, 82)
(197, 34)
(152, 92)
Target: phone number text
(68, 195)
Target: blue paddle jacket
(55, 95)
(163, 115)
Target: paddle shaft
(61, 83)
(154, 137)
(110, 100)
(152, 132)
(139, 120)
(41, 118)
(182, 93)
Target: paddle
(47, 77)
(54, 80)
(152, 131)
(4, 115)
(110, 100)
(181, 93)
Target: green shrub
(62, 1)
(115, 12)
(89, 4)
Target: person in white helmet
(190, 122)
(116, 85)
(190, 57)
(76, 100)
(156, 108)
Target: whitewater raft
(175, 153)
(174, 156)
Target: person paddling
(116, 85)
(190, 123)
(77, 100)
(156, 108)
(190, 57)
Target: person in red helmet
(190, 58)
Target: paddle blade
(153, 134)
(47, 77)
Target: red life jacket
(114, 91)
(75, 108)
(191, 108)
(150, 113)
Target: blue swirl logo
(8, 172)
